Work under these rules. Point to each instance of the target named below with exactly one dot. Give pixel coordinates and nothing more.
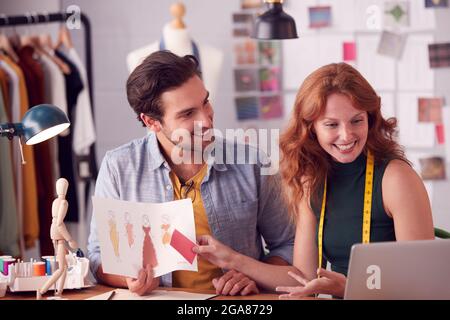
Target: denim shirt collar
(157, 159)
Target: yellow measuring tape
(367, 206)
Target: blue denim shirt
(242, 206)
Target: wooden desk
(81, 294)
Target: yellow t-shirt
(206, 270)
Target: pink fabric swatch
(183, 245)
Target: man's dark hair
(159, 72)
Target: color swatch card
(436, 3)
(439, 55)
(133, 235)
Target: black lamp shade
(274, 24)
(43, 122)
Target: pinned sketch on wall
(391, 44)
(319, 16)
(439, 55)
(349, 51)
(242, 24)
(245, 52)
(432, 168)
(133, 235)
(269, 52)
(269, 79)
(271, 107)
(247, 108)
(246, 80)
(430, 110)
(436, 3)
(396, 14)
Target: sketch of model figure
(129, 229)
(59, 235)
(148, 250)
(114, 234)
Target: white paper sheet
(120, 227)
(377, 69)
(387, 104)
(123, 294)
(414, 71)
(413, 133)
(300, 58)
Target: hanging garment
(84, 129)
(4, 89)
(74, 86)
(25, 175)
(9, 236)
(34, 77)
(55, 94)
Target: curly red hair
(304, 164)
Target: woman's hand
(215, 252)
(233, 283)
(329, 282)
(145, 282)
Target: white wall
(121, 26)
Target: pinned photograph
(391, 44)
(439, 54)
(319, 17)
(436, 3)
(269, 52)
(242, 18)
(242, 31)
(432, 168)
(271, 107)
(246, 80)
(269, 79)
(430, 110)
(396, 13)
(247, 108)
(245, 52)
(349, 51)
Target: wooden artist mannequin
(59, 235)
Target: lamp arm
(9, 130)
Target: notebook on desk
(399, 270)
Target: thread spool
(38, 269)
(1, 261)
(6, 263)
(49, 264)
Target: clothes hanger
(25, 38)
(48, 50)
(178, 10)
(64, 37)
(5, 44)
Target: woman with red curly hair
(346, 181)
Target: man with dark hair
(235, 203)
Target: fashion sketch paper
(133, 235)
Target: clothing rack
(45, 18)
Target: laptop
(402, 270)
